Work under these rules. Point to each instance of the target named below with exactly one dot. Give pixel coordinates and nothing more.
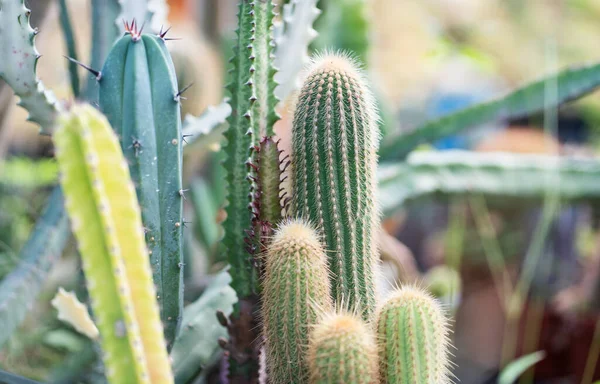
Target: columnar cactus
(139, 96)
(342, 349)
(296, 290)
(412, 337)
(105, 218)
(334, 160)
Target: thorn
(178, 94)
(222, 319)
(162, 33)
(183, 138)
(182, 193)
(171, 38)
(94, 72)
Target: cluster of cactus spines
(292, 36)
(342, 349)
(295, 293)
(334, 161)
(139, 96)
(106, 220)
(412, 338)
(18, 65)
(150, 12)
(19, 289)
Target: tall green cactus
(342, 349)
(19, 61)
(334, 161)
(252, 117)
(105, 217)
(296, 291)
(412, 337)
(138, 94)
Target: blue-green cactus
(139, 96)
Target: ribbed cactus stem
(295, 290)
(412, 336)
(334, 162)
(342, 349)
(106, 220)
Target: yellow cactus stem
(105, 217)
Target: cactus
(342, 349)
(73, 312)
(296, 290)
(334, 161)
(44, 247)
(197, 343)
(497, 176)
(292, 36)
(19, 59)
(138, 94)
(266, 195)
(412, 337)
(105, 218)
(253, 115)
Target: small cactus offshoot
(295, 290)
(342, 349)
(412, 338)
(334, 161)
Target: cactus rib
(18, 66)
(334, 161)
(412, 337)
(138, 95)
(105, 218)
(295, 291)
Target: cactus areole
(139, 96)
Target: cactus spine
(138, 94)
(412, 336)
(105, 219)
(342, 349)
(333, 167)
(296, 289)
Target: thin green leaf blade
(572, 84)
(515, 369)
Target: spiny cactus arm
(206, 128)
(104, 34)
(105, 218)
(266, 207)
(334, 162)
(295, 293)
(138, 94)
(69, 36)
(262, 72)
(240, 139)
(197, 343)
(18, 65)
(501, 175)
(153, 13)
(572, 84)
(342, 349)
(40, 253)
(412, 338)
(292, 37)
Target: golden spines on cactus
(412, 338)
(295, 291)
(342, 349)
(334, 160)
